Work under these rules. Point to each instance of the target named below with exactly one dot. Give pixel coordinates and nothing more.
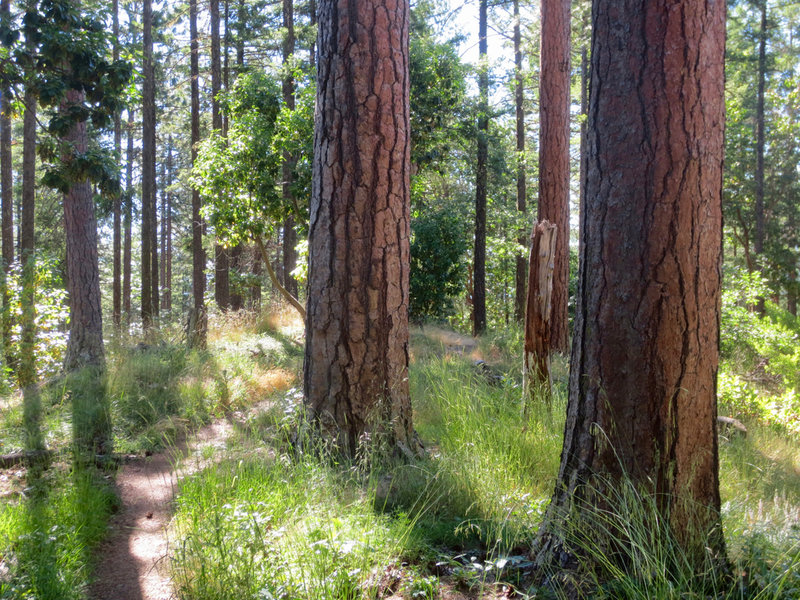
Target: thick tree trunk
(127, 258)
(522, 205)
(116, 276)
(536, 358)
(583, 149)
(642, 394)
(554, 103)
(197, 333)
(479, 253)
(356, 360)
(85, 346)
(149, 224)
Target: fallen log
(27, 457)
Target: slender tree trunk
(554, 102)
(127, 259)
(162, 266)
(356, 360)
(116, 277)
(287, 166)
(255, 289)
(27, 357)
(221, 258)
(149, 223)
(312, 51)
(758, 238)
(479, 257)
(520, 274)
(642, 392)
(166, 216)
(198, 321)
(6, 203)
(236, 267)
(240, 35)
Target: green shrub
(438, 245)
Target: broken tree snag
(536, 356)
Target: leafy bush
(52, 315)
(438, 244)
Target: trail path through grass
(133, 562)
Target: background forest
(172, 143)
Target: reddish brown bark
(356, 361)
(642, 394)
(554, 154)
(536, 359)
(150, 297)
(85, 346)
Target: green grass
(264, 521)
(47, 535)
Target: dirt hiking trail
(133, 562)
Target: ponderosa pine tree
(150, 295)
(356, 358)
(642, 391)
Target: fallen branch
(28, 457)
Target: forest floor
(133, 563)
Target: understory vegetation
(271, 515)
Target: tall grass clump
(46, 536)
(282, 528)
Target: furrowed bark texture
(554, 154)
(642, 394)
(356, 362)
(85, 346)
(149, 225)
